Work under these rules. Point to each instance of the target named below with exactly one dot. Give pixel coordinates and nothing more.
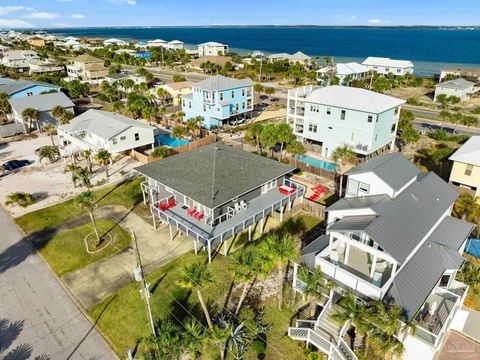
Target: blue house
(143, 55)
(22, 88)
(220, 101)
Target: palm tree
(4, 105)
(194, 336)
(72, 168)
(83, 175)
(50, 129)
(86, 200)
(197, 276)
(253, 132)
(149, 113)
(87, 154)
(50, 152)
(344, 157)
(104, 158)
(279, 249)
(179, 132)
(268, 137)
(163, 95)
(162, 112)
(246, 267)
(31, 115)
(466, 208)
(470, 275)
(295, 148)
(313, 282)
(193, 125)
(57, 112)
(284, 136)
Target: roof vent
(414, 197)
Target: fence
(331, 175)
(12, 129)
(145, 159)
(314, 208)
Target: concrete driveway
(99, 280)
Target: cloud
(78, 16)
(41, 15)
(353, 17)
(122, 2)
(5, 10)
(14, 23)
(378, 21)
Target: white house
(43, 104)
(212, 48)
(95, 130)
(336, 116)
(298, 57)
(460, 88)
(175, 44)
(391, 239)
(352, 70)
(114, 41)
(384, 66)
(3, 49)
(19, 59)
(156, 43)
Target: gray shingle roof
(214, 174)
(393, 169)
(418, 277)
(9, 86)
(219, 82)
(45, 102)
(459, 83)
(102, 123)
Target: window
(114, 141)
(123, 138)
(189, 104)
(352, 187)
(468, 169)
(387, 69)
(376, 136)
(233, 94)
(329, 111)
(183, 103)
(370, 118)
(243, 106)
(29, 93)
(399, 71)
(236, 106)
(204, 108)
(312, 128)
(221, 96)
(243, 92)
(342, 115)
(137, 136)
(314, 108)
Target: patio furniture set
(318, 191)
(164, 206)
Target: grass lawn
(123, 321)
(127, 194)
(65, 251)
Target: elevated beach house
(384, 66)
(336, 116)
(392, 239)
(465, 173)
(460, 88)
(19, 59)
(95, 130)
(343, 71)
(87, 68)
(212, 48)
(214, 192)
(219, 100)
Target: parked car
(13, 165)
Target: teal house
(21, 88)
(220, 101)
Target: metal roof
(416, 280)
(468, 153)
(459, 83)
(102, 123)
(45, 102)
(383, 61)
(352, 223)
(347, 97)
(214, 174)
(308, 253)
(393, 169)
(10, 86)
(219, 82)
(365, 202)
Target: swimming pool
(473, 247)
(317, 163)
(166, 140)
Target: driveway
(458, 347)
(99, 280)
(50, 180)
(37, 317)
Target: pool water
(473, 247)
(317, 163)
(166, 140)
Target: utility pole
(139, 277)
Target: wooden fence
(314, 208)
(146, 159)
(328, 174)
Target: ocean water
(429, 49)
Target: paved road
(37, 317)
(432, 125)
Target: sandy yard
(45, 179)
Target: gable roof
(298, 56)
(383, 61)
(459, 83)
(416, 280)
(364, 202)
(211, 43)
(219, 82)
(354, 98)
(45, 102)
(10, 86)
(214, 174)
(102, 123)
(87, 58)
(393, 169)
(468, 153)
(179, 85)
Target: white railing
(324, 310)
(347, 278)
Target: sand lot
(45, 179)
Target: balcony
(301, 92)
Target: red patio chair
(162, 207)
(199, 215)
(171, 202)
(191, 211)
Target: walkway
(37, 317)
(97, 281)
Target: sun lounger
(198, 216)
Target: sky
(87, 13)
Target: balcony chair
(191, 211)
(198, 216)
(162, 206)
(238, 208)
(171, 202)
(243, 204)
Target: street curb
(70, 295)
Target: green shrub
(476, 110)
(259, 346)
(161, 152)
(413, 101)
(20, 198)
